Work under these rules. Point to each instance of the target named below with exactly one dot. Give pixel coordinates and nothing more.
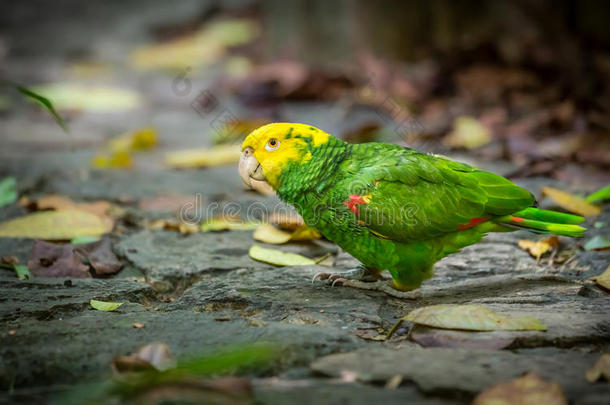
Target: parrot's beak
(249, 168)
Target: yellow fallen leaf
(540, 247)
(571, 202)
(112, 160)
(72, 96)
(278, 258)
(55, 225)
(470, 317)
(600, 369)
(136, 140)
(603, 279)
(225, 223)
(201, 48)
(304, 233)
(268, 233)
(469, 133)
(527, 390)
(218, 155)
(105, 306)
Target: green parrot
(391, 207)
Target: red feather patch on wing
(356, 199)
(473, 222)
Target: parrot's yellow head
(273, 147)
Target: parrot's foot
(359, 273)
(381, 285)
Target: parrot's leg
(360, 273)
(380, 285)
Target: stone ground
(326, 336)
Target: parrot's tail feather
(544, 221)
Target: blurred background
(152, 100)
(526, 82)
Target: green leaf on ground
(94, 99)
(79, 240)
(278, 258)
(227, 224)
(600, 195)
(470, 317)
(55, 225)
(8, 191)
(105, 306)
(46, 104)
(22, 271)
(598, 242)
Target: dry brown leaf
(600, 369)
(540, 247)
(153, 356)
(527, 390)
(56, 225)
(603, 279)
(571, 202)
(100, 256)
(138, 325)
(58, 202)
(167, 203)
(215, 156)
(55, 260)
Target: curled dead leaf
(538, 248)
(603, 279)
(54, 260)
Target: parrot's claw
(383, 286)
(358, 273)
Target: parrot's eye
(272, 144)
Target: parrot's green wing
(414, 196)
